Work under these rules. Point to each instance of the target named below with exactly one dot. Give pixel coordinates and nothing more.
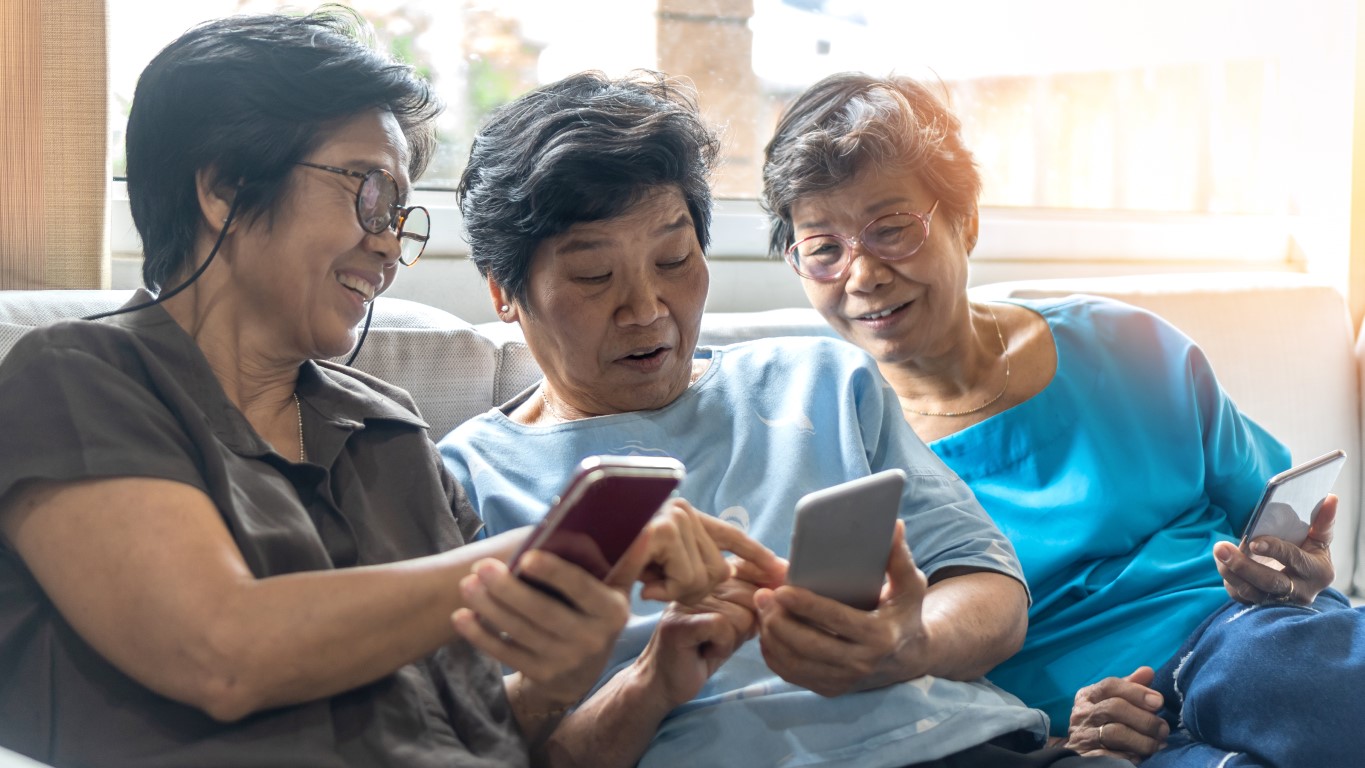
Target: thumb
(1324, 519)
(901, 573)
(631, 564)
(1142, 676)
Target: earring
(504, 308)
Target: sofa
(1283, 346)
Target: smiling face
(304, 277)
(901, 310)
(613, 307)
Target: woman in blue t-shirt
(1094, 433)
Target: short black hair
(248, 96)
(851, 120)
(585, 148)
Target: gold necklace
(1004, 351)
(298, 408)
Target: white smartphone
(842, 538)
(1291, 498)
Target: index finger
(731, 539)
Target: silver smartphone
(842, 538)
(1291, 498)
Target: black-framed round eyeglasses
(892, 237)
(377, 209)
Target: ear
(504, 305)
(969, 230)
(215, 198)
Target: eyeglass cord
(222, 235)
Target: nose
(642, 304)
(385, 245)
(865, 271)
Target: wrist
(646, 687)
(533, 703)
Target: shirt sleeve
(70, 414)
(466, 517)
(1239, 454)
(945, 525)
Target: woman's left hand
(560, 647)
(1307, 568)
(832, 649)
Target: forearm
(973, 621)
(118, 556)
(612, 728)
(309, 635)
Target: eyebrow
(901, 202)
(579, 244)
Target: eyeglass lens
(377, 206)
(413, 230)
(888, 238)
(376, 200)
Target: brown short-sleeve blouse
(135, 397)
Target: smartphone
(605, 505)
(1291, 498)
(842, 538)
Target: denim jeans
(1271, 686)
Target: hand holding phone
(841, 541)
(602, 510)
(1291, 500)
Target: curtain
(54, 137)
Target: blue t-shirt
(766, 423)
(1114, 482)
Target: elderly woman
(588, 208)
(220, 551)
(1097, 437)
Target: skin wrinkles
(613, 310)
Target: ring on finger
(1102, 727)
(1287, 596)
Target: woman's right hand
(685, 560)
(1117, 717)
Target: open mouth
(650, 354)
(364, 288)
(884, 313)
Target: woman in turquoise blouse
(1094, 433)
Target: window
(1093, 111)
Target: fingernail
(762, 599)
(1260, 547)
(1153, 700)
(1222, 554)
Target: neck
(971, 374)
(253, 376)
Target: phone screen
(1292, 497)
(607, 503)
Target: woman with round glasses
(219, 550)
(1096, 436)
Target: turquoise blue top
(1114, 482)
(766, 423)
